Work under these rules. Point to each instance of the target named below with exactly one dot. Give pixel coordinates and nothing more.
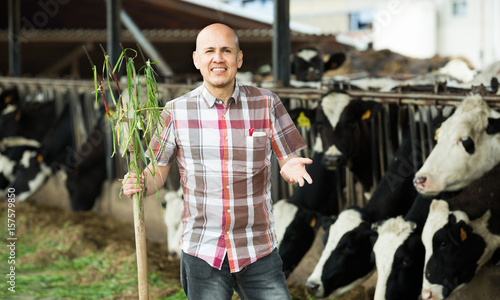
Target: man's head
(218, 57)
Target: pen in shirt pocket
(250, 131)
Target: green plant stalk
(133, 120)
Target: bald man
(222, 136)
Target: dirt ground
(110, 214)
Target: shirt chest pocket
(251, 153)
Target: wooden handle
(140, 247)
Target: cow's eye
(443, 245)
(468, 144)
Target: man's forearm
(154, 178)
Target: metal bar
(422, 125)
(419, 98)
(413, 135)
(389, 150)
(14, 37)
(381, 145)
(113, 26)
(163, 67)
(430, 129)
(374, 147)
(300, 93)
(281, 43)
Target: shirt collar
(210, 100)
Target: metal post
(14, 38)
(113, 24)
(162, 65)
(281, 43)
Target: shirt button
(227, 138)
(228, 210)
(227, 187)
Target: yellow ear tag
(313, 222)
(366, 115)
(463, 234)
(303, 121)
(436, 133)
(7, 99)
(39, 158)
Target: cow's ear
(493, 126)
(335, 61)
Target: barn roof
(55, 31)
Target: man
(222, 136)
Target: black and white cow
(460, 236)
(399, 253)
(308, 64)
(344, 126)
(348, 259)
(468, 145)
(22, 167)
(298, 218)
(9, 101)
(31, 122)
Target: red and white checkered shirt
(224, 159)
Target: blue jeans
(262, 280)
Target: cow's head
(453, 251)
(399, 257)
(347, 260)
(468, 145)
(9, 100)
(296, 228)
(342, 125)
(308, 64)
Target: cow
(31, 121)
(468, 145)
(298, 218)
(22, 167)
(296, 228)
(348, 259)
(172, 213)
(34, 159)
(308, 64)
(460, 236)
(86, 169)
(343, 125)
(399, 253)
(9, 101)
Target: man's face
(217, 57)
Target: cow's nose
(312, 288)
(419, 182)
(426, 295)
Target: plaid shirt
(224, 159)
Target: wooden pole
(140, 236)
(140, 247)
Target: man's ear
(196, 61)
(240, 59)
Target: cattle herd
(429, 218)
